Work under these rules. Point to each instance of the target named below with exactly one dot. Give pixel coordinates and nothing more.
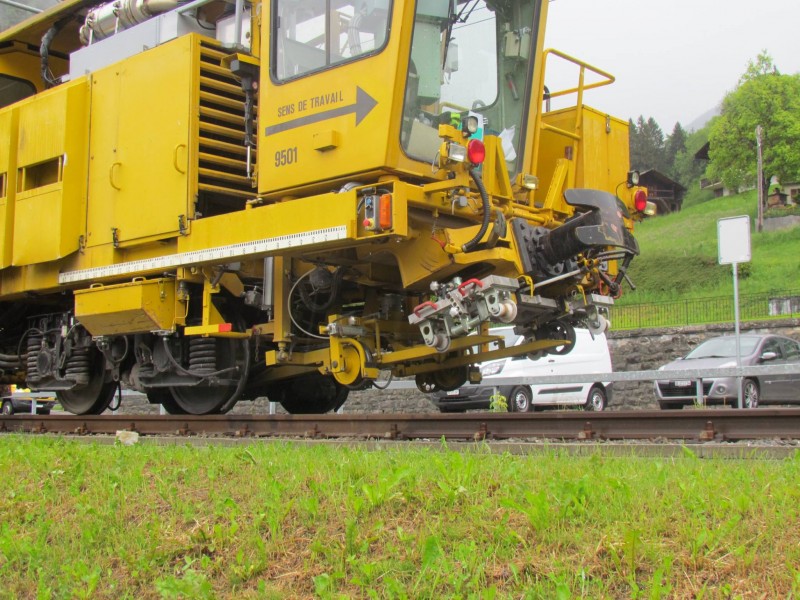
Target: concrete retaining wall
(777, 223)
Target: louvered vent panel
(222, 172)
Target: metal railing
(700, 311)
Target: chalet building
(663, 191)
(717, 187)
(706, 184)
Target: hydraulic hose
(44, 51)
(486, 210)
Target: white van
(590, 355)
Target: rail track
(689, 425)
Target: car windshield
(724, 347)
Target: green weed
(279, 520)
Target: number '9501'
(286, 157)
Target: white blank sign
(733, 238)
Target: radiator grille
(669, 390)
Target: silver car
(721, 352)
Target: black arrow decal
(363, 106)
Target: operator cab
(469, 59)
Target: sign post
(733, 242)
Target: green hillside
(679, 255)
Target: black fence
(752, 307)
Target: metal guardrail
(752, 307)
(695, 375)
(651, 375)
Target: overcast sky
(673, 59)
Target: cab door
(325, 108)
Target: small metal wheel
(596, 400)
(450, 379)
(425, 383)
(750, 393)
(520, 399)
(8, 408)
(558, 330)
(445, 380)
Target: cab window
(311, 35)
(13, 90)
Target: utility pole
(760, 220)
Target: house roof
(702, 153)
(658, 177)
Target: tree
(763, 97)
(686, 169)
(675, 144)
(646, 145)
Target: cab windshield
(469, 57)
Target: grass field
(284, 520)
(679, 255)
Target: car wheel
(750, 393)
(8, 409)
(520, 400)
(596, 400)
(671, 406)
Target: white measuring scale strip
(232, 251)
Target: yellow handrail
(609, 78)
(576, 134)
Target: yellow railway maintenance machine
(213, 201)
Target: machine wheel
(558, 330)
(164, 397)
(445, 380)
(750, 393)
(520, 399)
(596, 400)
(309, 394)
(92, 399)
(8, 408)
(212, 400)
(451, 379)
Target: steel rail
(691, 424)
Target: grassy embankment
(282, 520)
(679, 255)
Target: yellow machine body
(137, 307)
(51, 157)
(344, 190)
